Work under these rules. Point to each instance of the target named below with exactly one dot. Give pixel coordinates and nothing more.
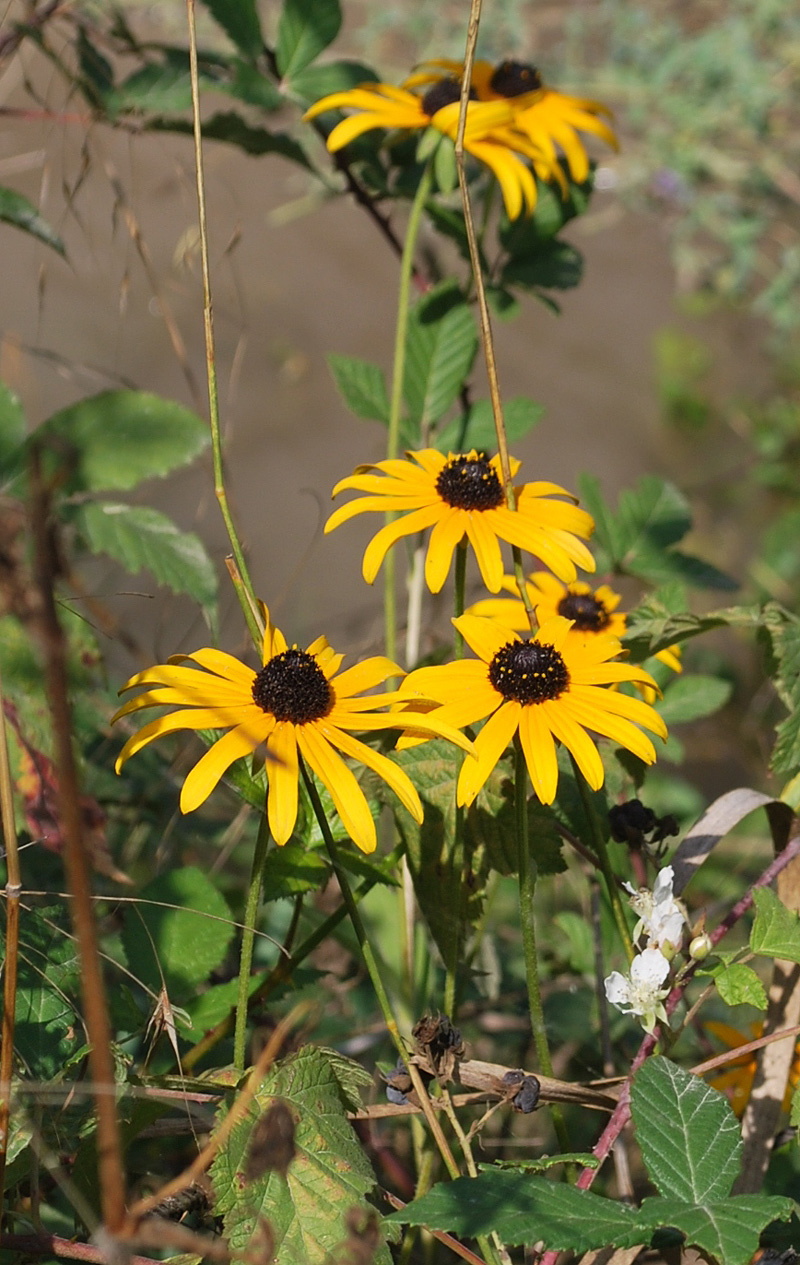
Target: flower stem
(460, 581)
(457, 856)
(248, 937)
(601, 849)
(371, 963)
(527, 889)
(396, 403)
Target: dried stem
(13, 891)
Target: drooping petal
(490, 744)
(166, 697)
(224, 665)
(282, 774)
(391, 773)
(623, 705)
(205, 775)
(347, 795)
(446, 534)
(195, 718)
(539, 750)
(487, 551)
(610, 726)
(380, 544)
(575, 738)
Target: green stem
(458, 854)
(601, 849)
(396, 403)
(248, 937)
(460, 581)
(527, 889)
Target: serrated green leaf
(292, 869)
(137, 536)
(776, 929)
(12, 432)
(329, 1175)
(728, 1230)
(786, 648)
(112, 441)
(305, 28)
(440, 349)
(239, 21)
(47, 1032)
(519, 414)
(362, 386)
(692, 696)
(233, 130)
(158, 88)
(524, 1209)
(738, 985)
(689, 1137)
(180, 930)
(553, 265)
(653, 626)
(316, 82)
(17, 210)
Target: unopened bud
(700, 947)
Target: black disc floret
(469, 482)
(513, 78)
(443, 93)
(529, 672)
(588, 612)
(292, 686)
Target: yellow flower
(547, 689)
(737, 1079)
(297, 704)
(546, 117)
(462, 495)
(592, 611)
(488, 135)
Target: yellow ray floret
(298, 705)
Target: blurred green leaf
(233, 130)
(17, 210)
(362, 386)
(305, 28)
(520, 415)
(12, 432)
(786, 648)
(316, 82)
(96, 71)
(239, 21)
(444, 166)
(112, 441)
(292, 869)
(440, 348)
(138, 537)
(254, 88)
(692, 696)
(551, 265)
(776, 929)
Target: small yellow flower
(547, 689)
(488, 136)
(462, 495)
(737, 1079)
(298, 704)
(547, 118)
(592, 611)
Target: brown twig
(10, 42)
(13, 891)
(76, 860)
(739, 1051)
(51, 1245)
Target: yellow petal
(391, 773)
(446, 534)
(487, 551)
(622, 705)
(350, 801)
(380, 544)
(217, 760)
(365, 676)
(196, 718)
(540, 752)
(282, 774)
(181, 698)
(224, 665)
(577, 742)
(484, 636)
(490, 744)
(617, 728)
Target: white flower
(640, 993)
(661, 918)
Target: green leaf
(112, 441)
(316, 82)
(738, 985)
(96, 70)
(524, 1209)
(17, 210)
(47, 1031)
(444, 166)
(689, 1137)
(653, 626)
(329, 1175)
(12, 432)
(520, 415)
(692, 696)
(239, 21)
(232, 128)
(606, 532)
(794, 1114)
(727, 1229)
(362, 387)
(180, 929)
(503, 303)
(305, 28)
(786, 648)
(292, 869)
(137, 537)
(553, 265)
(440, 349)
(250, 86)
(776, 929)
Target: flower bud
(700, 947)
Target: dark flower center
(588, 612)
(469, 482)
(529, 672)
(443, 93)
(513, 78)
(292, 686)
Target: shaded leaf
(689, 1137)
(316, 82)
(305, 28)
(652, 626)
(17, 210)
(727, 1229)
(12, 432)
(553, 265)
(786, 648)
(112, 441)
(232, 128)
(239, 21)
(520, 415)
(692, 696)
(440, 349)
(362, 386)
(250, 86)
(292, 869)
(776, 929)
(137, 536)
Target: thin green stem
(458, 854)
(600, 847)
(396, 402)
(208, 322)
(460, 584)
(248, 937)
(527, 889)
(522, 585)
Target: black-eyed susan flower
(462, 495)
(298, 704)
(592, 611)
(548, 118)
(736, 1079)
(488, 136)
(547, 689)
